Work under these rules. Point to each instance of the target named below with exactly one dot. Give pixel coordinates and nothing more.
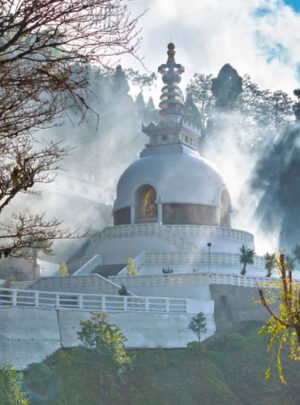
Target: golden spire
(171, 52)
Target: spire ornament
(171, 98)
(171, 52)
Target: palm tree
(269, 263)
(246, 257)
(296, 252)
(290, 262)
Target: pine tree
(120, 85)
(198, 325)
(140, 105)
(191, 113)
(226, 87)
(296, 106)
(151, 114)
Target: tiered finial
(171, 97)
(171, 52)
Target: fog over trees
(45, 51)
(261, 124)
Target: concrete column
(167, 305)
(14, 298)
(80, 301)
(103, 303)
(36, 299)
(159, 213)
(132, 214)
(218, 216)
(57, 301)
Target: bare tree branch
(46, 47)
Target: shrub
(123, 290)
(130, 268)
(10, 387)
(37, 377)
(106, 339)
(63, 270)
(235, 341)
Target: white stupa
(172, 212)
(172, 217)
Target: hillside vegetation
(226, 370)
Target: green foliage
(290, 262)
(296, 106)
(8, 282)
(191, 113)
(105, 338)
(139, 79)
(200, 89)
(10, 387)
(37, 377)
(120, 85)
(130, 268)
(63, 270)
(226, 87)
(269, 263)
(296, 252)
(123, 290)
(198, 325)
(235, 341)
(176, 376)
(283, 327)
(246, 257)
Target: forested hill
(227, 371)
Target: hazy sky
(258, 37)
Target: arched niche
(225, 209)
(146, 205)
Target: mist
(109, 139)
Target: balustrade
(186, 279)
(106, 303)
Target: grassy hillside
(227, 370)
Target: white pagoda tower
(172, 212)
(172, 217)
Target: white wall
(119, 250)
(29, 335)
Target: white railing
(90, 302)
(89, 266)
(92, 283)
(192, 279)
(205, 231)
(185, 258)
(125, 231)
(175, 234)
(176, 231)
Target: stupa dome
(177, 178)
(171, 183)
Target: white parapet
(100, 302)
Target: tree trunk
(298, 333)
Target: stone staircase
(107, 270)
(87, 284)
(127, 231)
